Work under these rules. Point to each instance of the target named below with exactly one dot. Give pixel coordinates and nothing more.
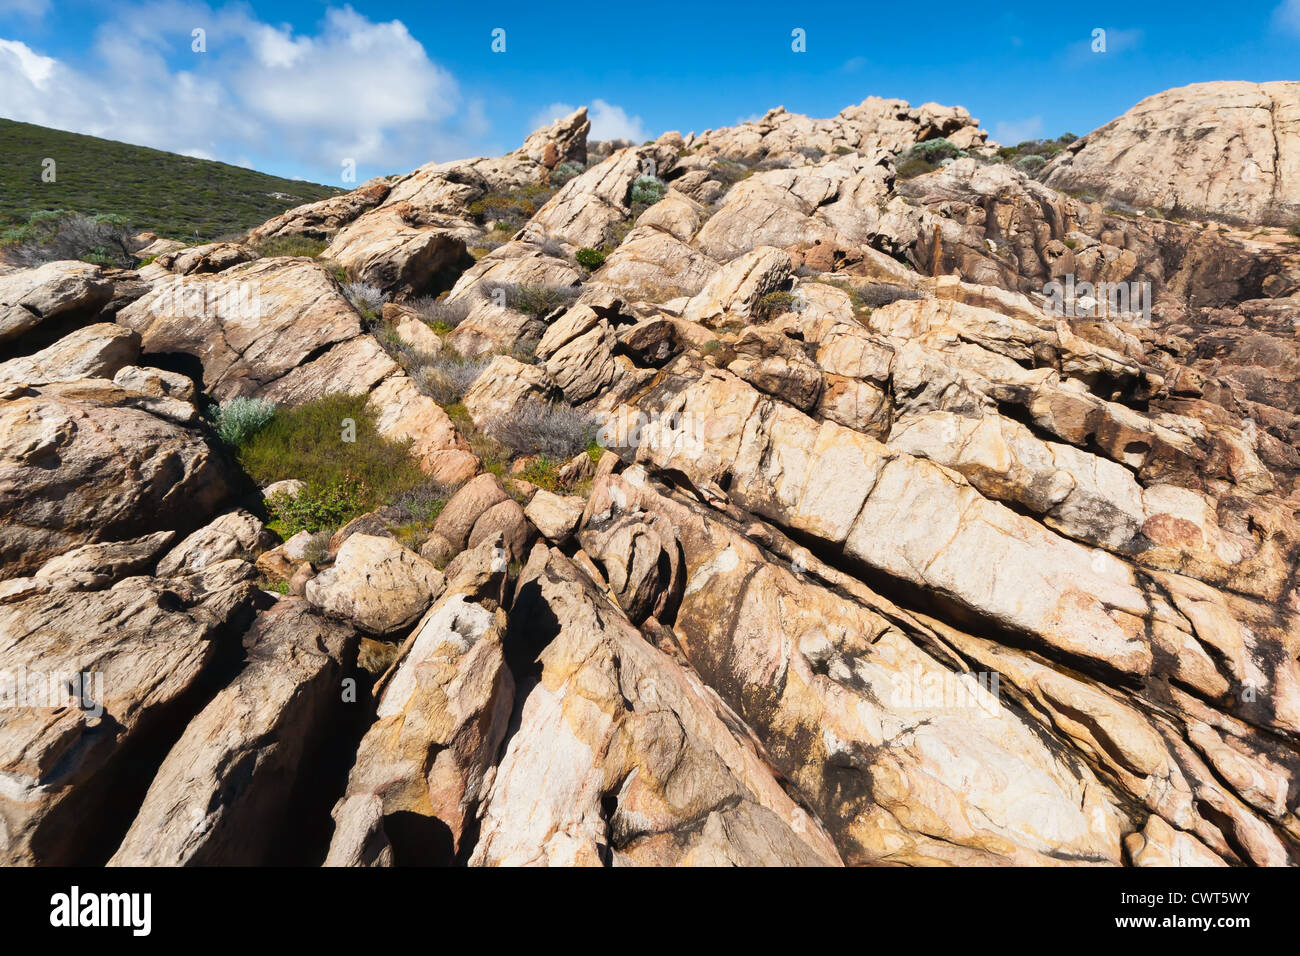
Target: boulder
(375, 584)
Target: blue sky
(297, 87)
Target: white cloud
(607, 120)
(549, 114)
(853, 64)
(1017, 131)
(1287, 16)
(352, 89)
(612, 122)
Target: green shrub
(321, 505)
(1029, 164)
(543, 472)
(589, 258)
(534, 300)
(562, 173)
(1294, 229)
(285, 247)
(344, 478)
(238, 419)
(648, 190)
(773, 304)
(842, 150)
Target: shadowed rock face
(890, 553)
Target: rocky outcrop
(1227, 151)
(911, 542)
(375, 584)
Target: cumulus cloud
(1013, 132)
(352, 89)
(607, 120)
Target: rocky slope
(889, 557)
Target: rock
(470, 502)
(411, 329)
(223, 795)
(212, 257)
(96, 351)
(92, 567)
(149, 645)
(1225, 150)
(565, 140)
(505, 518)
(290, 488)
(375, 584)
(82, 462)
(155, 382)
(235, 534)
(284, 561)
(423, 765)
(619, 757)
(402, 413)
(501, 387)
(734, 289)
(555, 516)
(578, 352)
(249, 325)
(382, 250)
(57, 292)
(324, 217)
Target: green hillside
(151, 190)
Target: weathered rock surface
(223, 795)
(1227, 150)
(88, 461)
(376, 584)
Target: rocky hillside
(752, 504)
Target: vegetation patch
(175, 196)
(286, 247)
(332, 445)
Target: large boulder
(88, 461)
(223, 795)
(66, 761)
(376, 584)
(1223, 150)
(56, 293)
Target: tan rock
(375, 584)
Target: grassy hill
(152, 190)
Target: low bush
(535, 300)
(773, 304)
(446, 377)
(648, 190)
(562, 173)
(551, 429)
(239, 419)
(589, 258)
(52, 236)
(441, 312)
(278, 247)
(333, 446)
(367, 299)
(878, 294)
